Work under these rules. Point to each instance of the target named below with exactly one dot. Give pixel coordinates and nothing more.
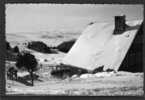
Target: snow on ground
(21, 74)
(49, 58)
(122, 83)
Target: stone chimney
(120, 24)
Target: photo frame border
(3, 95)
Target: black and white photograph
(74, 49)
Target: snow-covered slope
(97, 46)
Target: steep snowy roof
(98, 46)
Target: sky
(64, 17)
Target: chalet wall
(133, 61)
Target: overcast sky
(64, 17)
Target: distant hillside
(40, 47)
(66, 45)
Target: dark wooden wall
(133, 61)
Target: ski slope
(98, 46)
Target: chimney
(120, 24)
